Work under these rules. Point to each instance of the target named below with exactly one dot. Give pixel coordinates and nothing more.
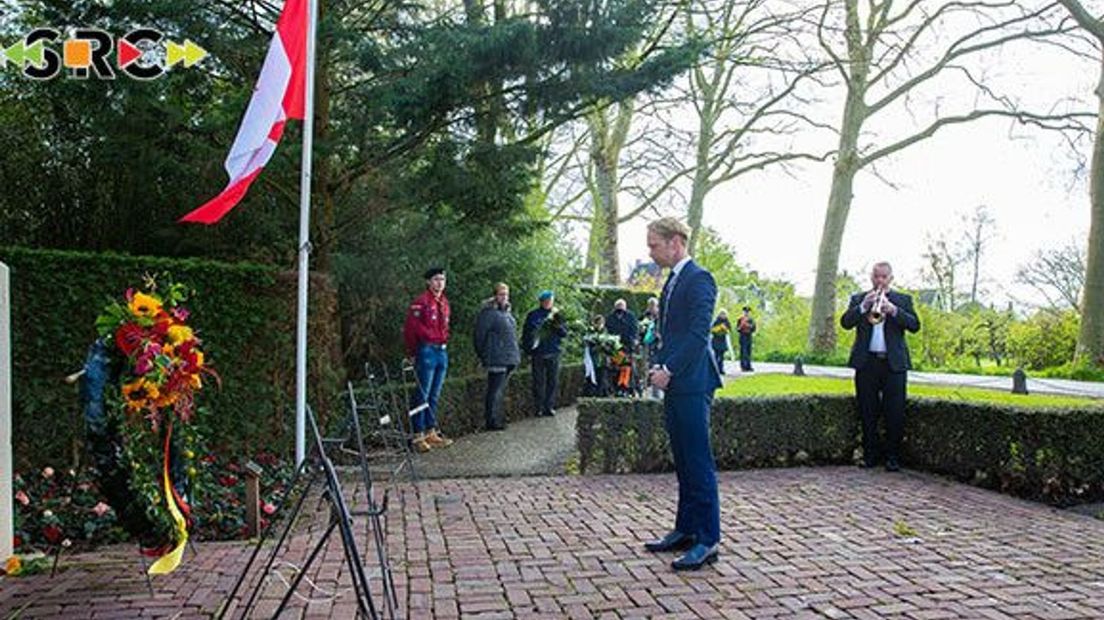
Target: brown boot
(436, 440)
(419, 443)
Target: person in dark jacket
(881, 360)
(623, 324)
(746, 326)
(541, 338)
(497, 348)
(719, 331)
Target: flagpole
(304, 242)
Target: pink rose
(22, 498)
(48, 472)
(268, 508)
(100, 509)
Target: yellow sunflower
(180, 333)
(145, 305)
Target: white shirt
(877, 335)
(877, 339)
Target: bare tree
(979, 228)
(1057, 274)
(889, 54)
(745, 93)
(940, 269)
(1090, 340)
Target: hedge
(461, 406)
(244, 313)
(1052, 455)
(599, 299)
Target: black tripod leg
(291, 518)
(303, 571)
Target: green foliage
(395, 90)
(245, 315)
(1047, 338)
(1052, 455)
(475, 256)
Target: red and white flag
(277, 97)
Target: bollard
(1019, 381)
(799, 368)
(253, 473)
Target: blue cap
(545, 295)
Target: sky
(1026, 178)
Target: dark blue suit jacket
(684, 332)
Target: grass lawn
(771, 384)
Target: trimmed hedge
(244, 313)
(461, 406)
(1052, 455)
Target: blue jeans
(430, 366)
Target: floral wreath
(141, 378)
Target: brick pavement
(799, 543)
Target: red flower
(228, 481)
(161, 327)
(129, 337)
(52, 533)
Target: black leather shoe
(674, 541)
(892, 465)
(697, 557)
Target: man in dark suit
(880, 357)
(685, 368)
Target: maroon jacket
(427, 322)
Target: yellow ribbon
(168, 562)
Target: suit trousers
(878, 389)
(699, 508)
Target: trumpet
(877, 314)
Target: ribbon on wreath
(179, 510)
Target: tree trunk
(1090, 341)
(605, 176)
(822, 323)
(607, 139)
(701, 184)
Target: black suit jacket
(895, 326)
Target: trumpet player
(880, 357)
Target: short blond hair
(501, 286)
(668, 228)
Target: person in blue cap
(541, 336)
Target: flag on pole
(278, 96)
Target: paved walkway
(533, 446)
(799, 543)
(1043, 386)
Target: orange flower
(13, 565)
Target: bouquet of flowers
(602, 342)
(141, 378)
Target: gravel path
(533, 446)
